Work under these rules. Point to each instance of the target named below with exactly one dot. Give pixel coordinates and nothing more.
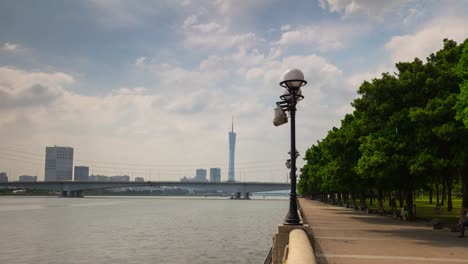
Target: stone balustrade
(299, 250)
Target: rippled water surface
(137, 229)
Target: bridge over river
(76, 188)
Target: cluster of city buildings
(22, 178)
(201, 176)
(59, 167)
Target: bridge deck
(345, 236)
(243, 187)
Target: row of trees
(408, 132)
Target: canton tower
(232, 150)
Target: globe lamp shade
(293, 79)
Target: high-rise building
(3, 177)
(232, 151)
(200, 175)
(81, 173)
(139, 179)
(215, 175)
(58, 164)
(27, 178)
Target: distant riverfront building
(139, 179)
(232, 150)
(215, 175)
(81, 173)
(58, 164)
(200, 175)
(27, 178)
(98, 178)
(122, 178)
(186, 179)
(3, 177)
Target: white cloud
(190, 20)
(221, 40)
(14, 80)
(234, 8)
(427, 39)
(140, 62)
(369, 8)
(356, 79)
(209, 32)
(322, 37)
(210, 27)
(310, 36)
(285, 27)
(235, 61)
(128, 14)
(118, 13)
(9, 46)
(344, 109)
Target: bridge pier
(77, 194)
(72, 194)
(239, 196)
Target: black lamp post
(293, 81)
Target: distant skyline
(148, 88)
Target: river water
(137, 229)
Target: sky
(149, 88)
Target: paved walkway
(342, 235)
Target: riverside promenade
(341, 235)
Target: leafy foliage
(409, 130)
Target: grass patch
(425, 211)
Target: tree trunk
(363, 199)
(444, 190)
(380, 198)
(409, 195)
(465, 184)
(449, 194)
(400, 198)
(409, 198)
(430, 192)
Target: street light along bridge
(76, 188)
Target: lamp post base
(292, 219)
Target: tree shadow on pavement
(413, 230)
(430, 237)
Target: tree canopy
(409, 131)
